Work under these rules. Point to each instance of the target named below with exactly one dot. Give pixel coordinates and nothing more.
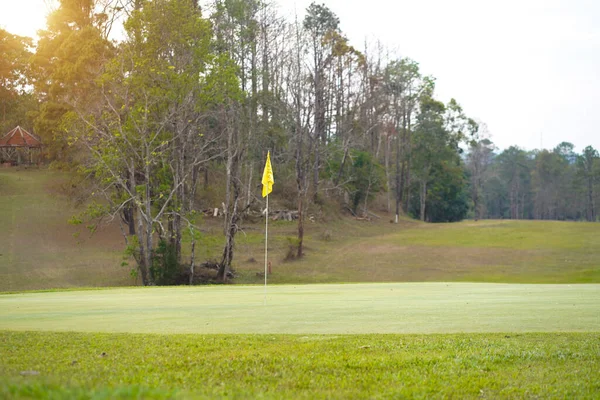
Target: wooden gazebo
(19, 145)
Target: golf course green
(315, 309)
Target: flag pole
(267, 182)
(266, 246)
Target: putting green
(350, 308)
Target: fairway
(304, 309)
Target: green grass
(99, 366)
(38, 249)
(483, 251)
(308, 309)
(383, 340)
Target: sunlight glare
(23, 17)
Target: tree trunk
(149, 228)
(342, 164)
(128, 210)
(398, 171)
(232, 217)
(316, 172)
(192, 258)
(300, 251)
(143, 266)
(250, 183)
(590, 195)
(423, 198)
(407, 159)
(228, 178)
(227, 258)
(142, 262)
(386, 155)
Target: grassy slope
(482, 251)
(282, 366)
(38, 248)
(305, 309)
(39, 251)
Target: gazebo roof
(19, 137)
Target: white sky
(529, 69)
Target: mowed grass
(310, 309)
(307, 341)
(102, 366)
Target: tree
(153, 127)
(70, 54)
(589, 169)
(447, 195)
(404, 85)
(547, 177)
(514, 166)
(319, 23)
(300, 113)
(430, 145)
(362, 177)
(479, 159)
(14, 76)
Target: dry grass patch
(40, 249)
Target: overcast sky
(529, 69)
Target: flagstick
(266, 244)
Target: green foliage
(165, 265)
(320, 20)
(447, 199)
(14, 76)
(75, 220)
(222, 84)
(512, 167)
(362, 177)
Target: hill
(39, 249)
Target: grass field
(112, 366)
(308, 341)
(40, 250)
(483, 251)
(309, 309)
(439, 331)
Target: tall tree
(404, 85)
(514, 166)
(547, 177)
(70, 55)
(479, 159)
(14, 75)
(588, 166)
(320, 22)
(430, 146)
(153, 127)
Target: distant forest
(186, 104)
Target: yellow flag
(267, 179)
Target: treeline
(193, 89)
(517, 184)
